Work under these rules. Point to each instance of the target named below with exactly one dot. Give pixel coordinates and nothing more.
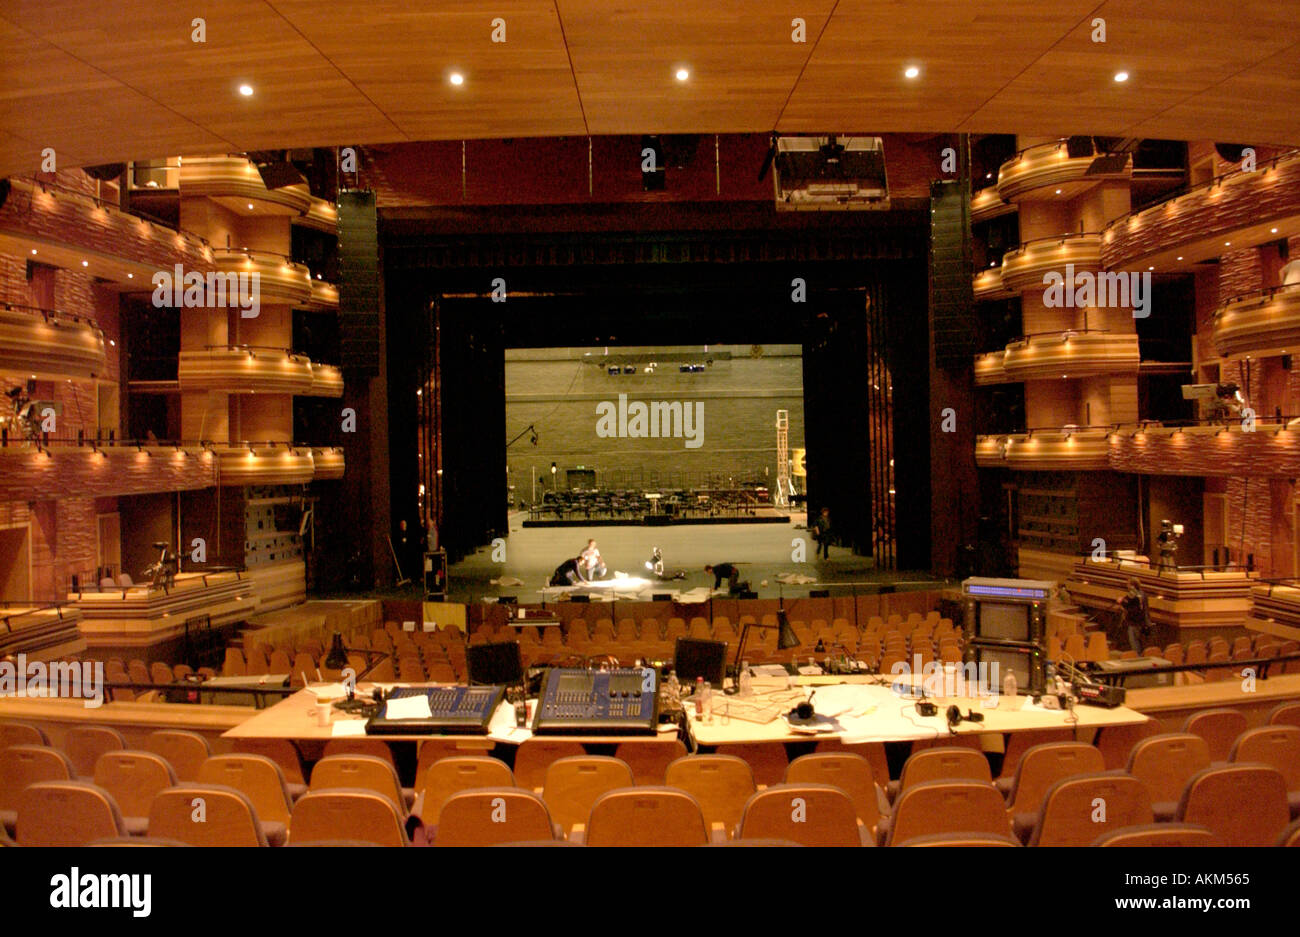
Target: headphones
(805, 709)
(955, 718)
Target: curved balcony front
(1071, 354)
(986, 204)
(990, 368)
(326, 381)
(1067, 449)
(1038, 172)
(1070, 254)
(324, 296)
(264, 464)
(68, 469)
(321, 215)
(278, 282)
(234, 181)
(1265, 322)
(242, 369)
(1237, 210)
(328, 463)
(987, 285)
(1270, 449)
(46, 345)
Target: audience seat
(20, 733)
(649, 760)
(184, 751)
(645, 816)
(573, 785)
(1290, 836)
(1278, 747)
(1040, 768)
(489, 816)
(851, 774)
(347, 814)
(66, 813)
(1287, 714)
(936, 807)
(205, 815)
(84, 745)
(721, 784)
(1242, 804)
(133, 778)
(535, 755)
(1165, 763)
(943, 763)
(808, 814)
(964, 839)
(1116, 742)
(451, 775)
(363, 772)
(1219, 728)
(768, 760)
(260, 780)
(285, 754)
(1076, 810)
(1158, 834)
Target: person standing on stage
(822, 533)
(590, 562)
(1137, 615)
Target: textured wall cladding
(1240, 272)
(740, 399)
(1241, 202)
(1249, 522)
(1258, 454)
(65, 218)
(80, 472)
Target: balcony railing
(1196, 224)
(1038, 171)
(1024, 268)
(245, 369)
(1072, 353)
(987, 204)
(281, 280)
(236, 178)
(1262, 322)
(1269, 448)
(50, 345)
(990, 369)
(1070, 448)
(987, 285)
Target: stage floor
(762, 550)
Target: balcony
(1069, 449)
(328, 463)
(324, 296)
(1244, 208)
(1071, 354)
(61, 468)
(321, 215)
(1272, 449)
(986, 204)
(988, 285)
(1023, 268)
(40, 631)
(246, 369)
(69, 228)
(264, 464)
(48, 345)
(1265, 322)
(144, 615)
(233, 181)
(326, 381)
(280, 281)
(989, 369)
(1047, 171)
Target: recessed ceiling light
(1121, 76)
(911, 71)
(85, 263)
(130, 276)
(250, 206)
(682, 74)
(1270, 231)
(1180, 257)
(988, 175)
(1227, 243)
(33, 250)
(456, 78)
(1150, 268)
(1058, 191)
(246, 90)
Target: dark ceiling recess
(1232, 152)
(275, 169)
(107, 172)
(653, 164)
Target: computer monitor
(495, 664)
(696, 657)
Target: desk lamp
(785, 639)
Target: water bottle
(1049, 684)
(1009, 685)
(699, 697)
(746, 682)
(708, 703)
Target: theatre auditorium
(587, 423)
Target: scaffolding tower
(783, 488)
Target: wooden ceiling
(102, 82)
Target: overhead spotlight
(456, 78)
(682, 74)
(33, 250)
(1180, 257)
(250, 206)
(246, 90)
(85, 263)
(911, 71)
(1121, 76)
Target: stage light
(246, 90)
(1121, 76)
(683, 74)
(456, 78)
(911, 71)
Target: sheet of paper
(328, 691)
(345, 728)
(408, 707)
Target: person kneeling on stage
(590, 565)
(567, 574)
(729, 572)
